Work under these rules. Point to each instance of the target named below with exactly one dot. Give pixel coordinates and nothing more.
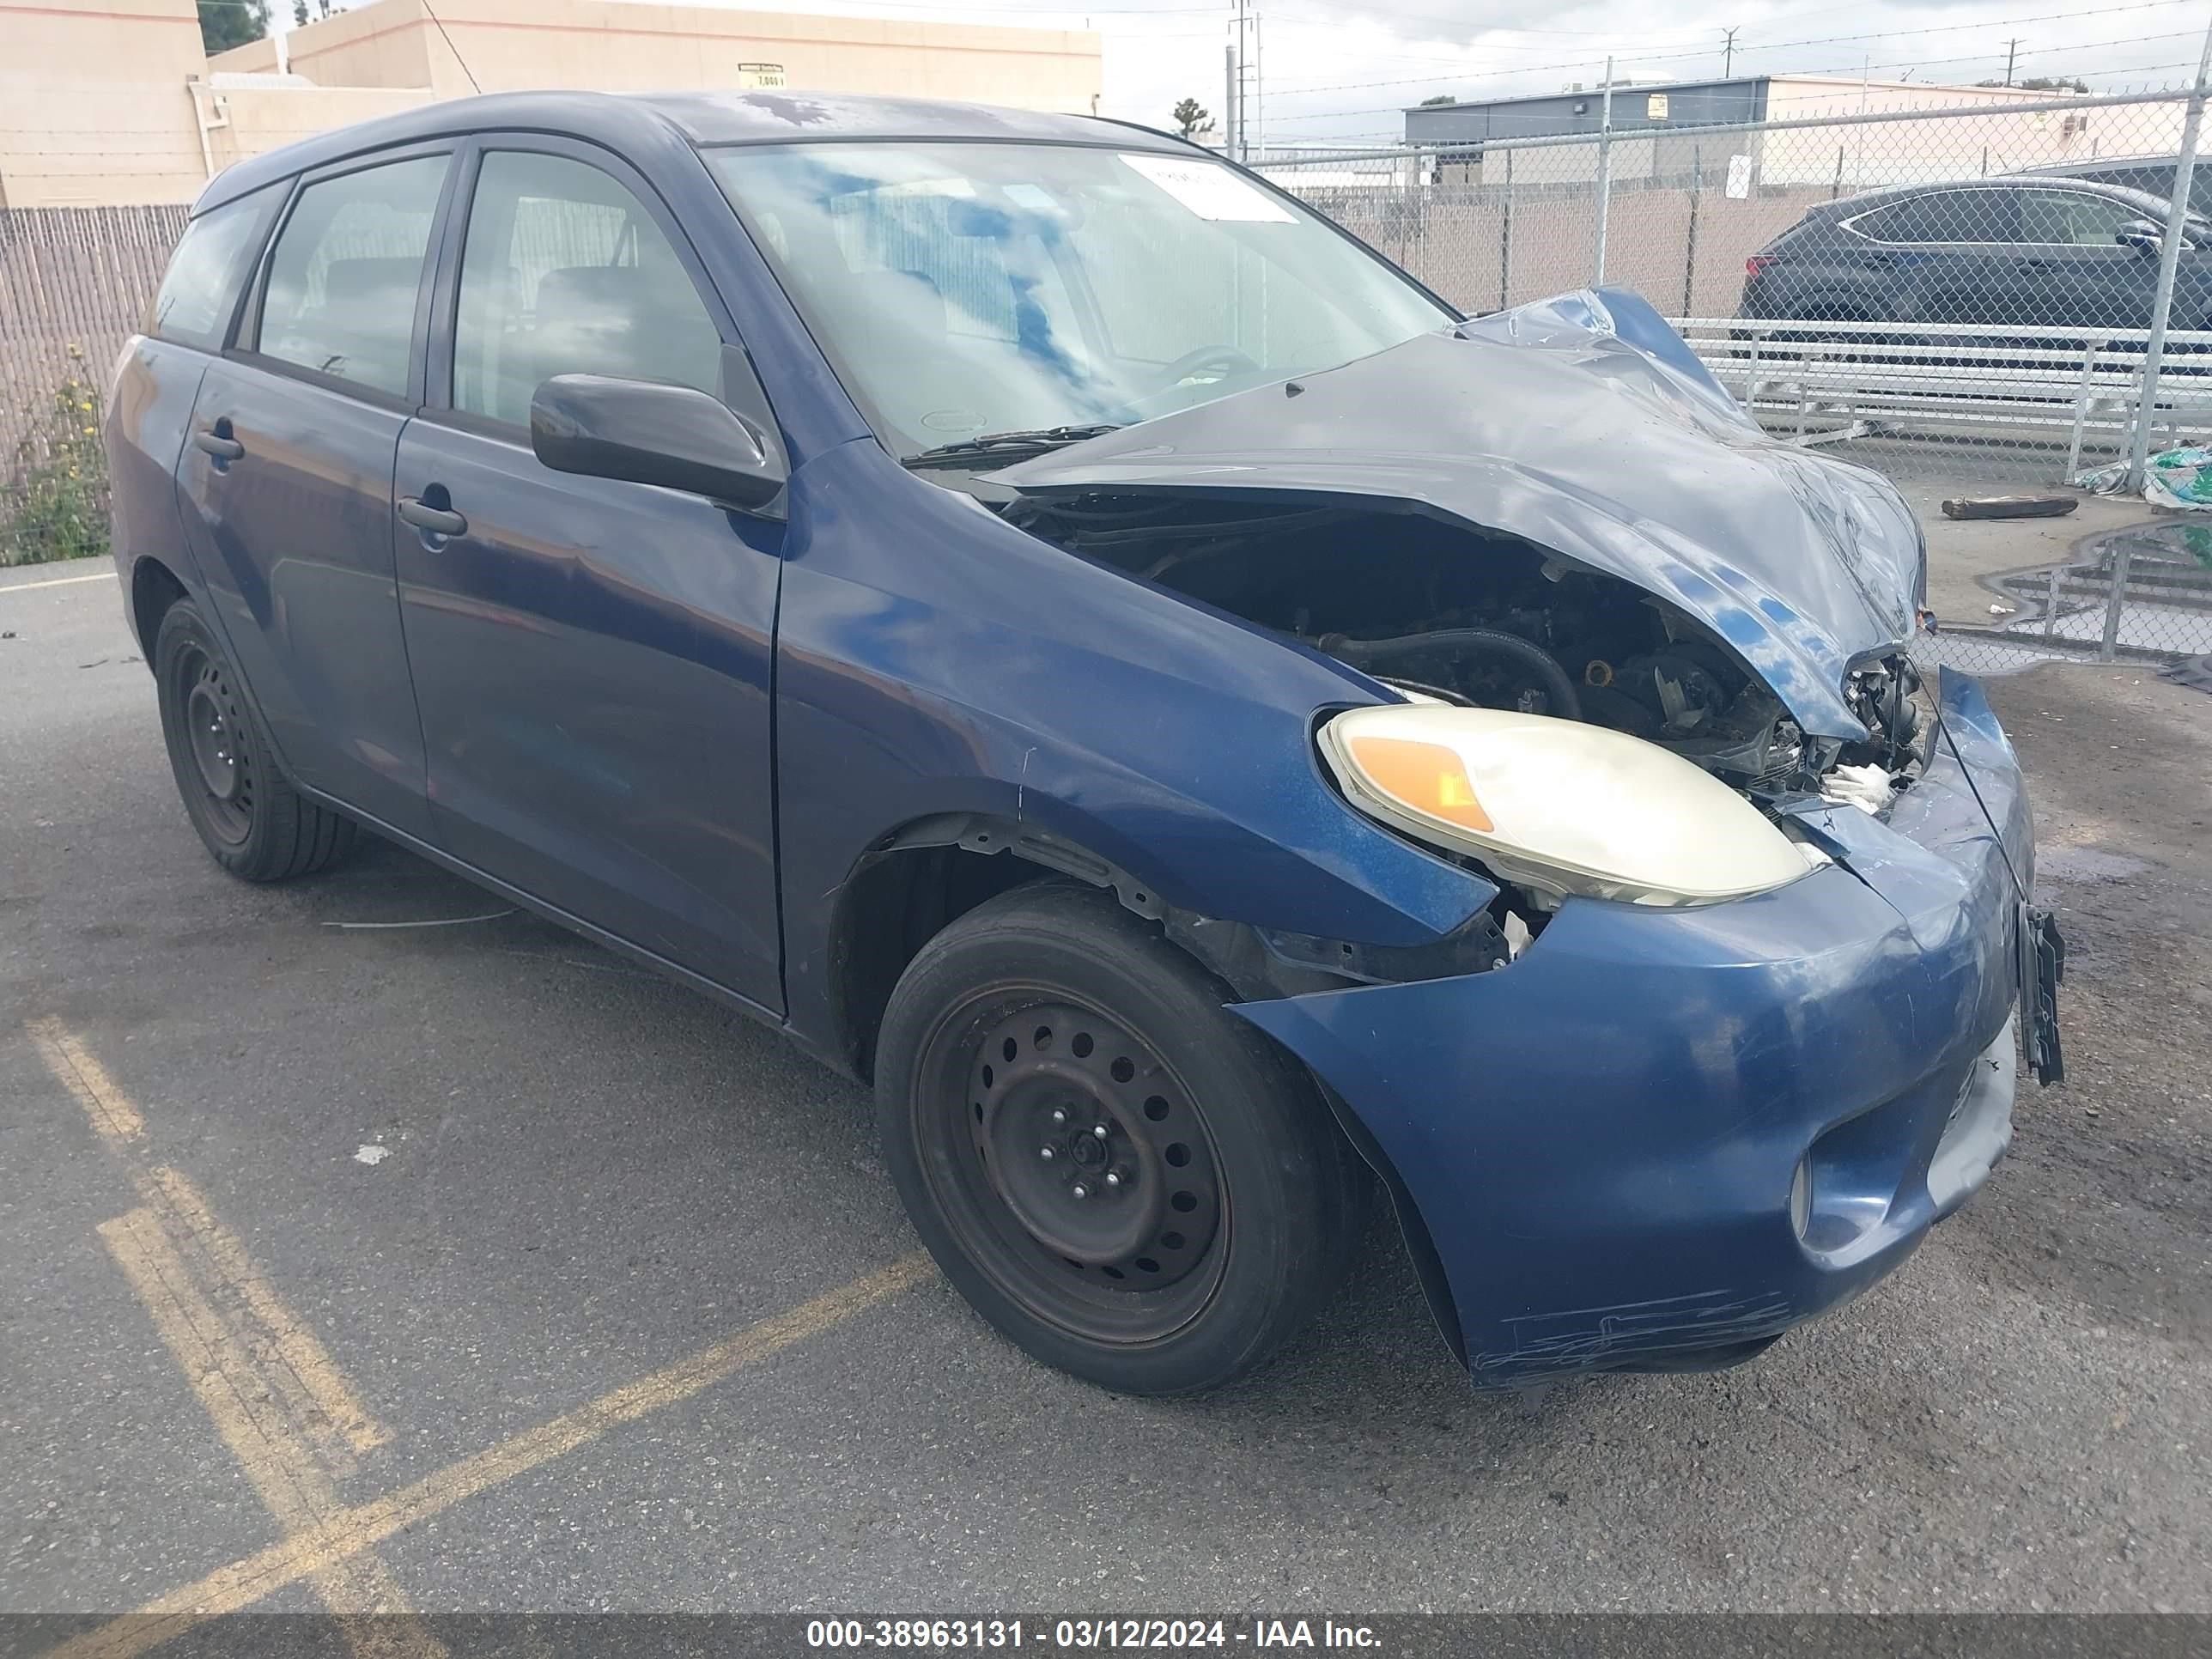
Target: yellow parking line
(277, 1465)
(267, 1384)
(55, 581)
(330, 1411)
(351, 1533)
(116, 1120)
(297, 1346)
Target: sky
(1336, 73)
(1340, 73)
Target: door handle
(217, 441)
(432, 521)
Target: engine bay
(1438, 610)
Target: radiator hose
(1370, 655)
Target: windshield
(967, 289)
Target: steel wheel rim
(1128, 1261)
(220, 761)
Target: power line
(453, 49)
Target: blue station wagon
(1214, 735)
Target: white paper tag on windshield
(1209, 190)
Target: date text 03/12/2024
(1165, 1635)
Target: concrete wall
(1945, 147)
(92, 105)
(1683, 249)
(261, 118)
(516, 45)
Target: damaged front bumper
(1662, 1137)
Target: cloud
(1342, 73)
(1344, 76)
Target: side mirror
(644, 432)
(2141, 234)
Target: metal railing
(1842, 380)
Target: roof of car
(2101, 164)
(699, 118)
(1868, 200)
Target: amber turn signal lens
(1426, 776)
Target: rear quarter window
(199, 291)
(1945, 215)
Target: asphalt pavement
(350, 1261)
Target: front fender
(966, 666)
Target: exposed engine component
(1439, 610)
(1554, 693)
(1887, 695)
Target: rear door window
(1946, 215)
(199, 291)
(346, 269)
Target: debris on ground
(2173, 477)
(2195, 672)
(371, 1153)
(2009, 506)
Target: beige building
(108, 101)
(1894, 132)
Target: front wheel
(255, 824)
(1126, 1180)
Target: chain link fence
(1961, 298)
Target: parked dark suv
(2031, 252)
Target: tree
(2042, 83)
(1191, 118)
(1440, 99)
(228, 23)
(303, 13)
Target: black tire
(1234, 1203)
(253, 822)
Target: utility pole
(1727, 53)
(1251, 114)
(1232, 112)
(2012, 49)
(1604, 171)
(1260, 85)
(1229, 102)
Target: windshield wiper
(1004, 444)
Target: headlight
(1558, 804)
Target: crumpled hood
(1585, 425)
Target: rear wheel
(253, 822)
(1126, 1180)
